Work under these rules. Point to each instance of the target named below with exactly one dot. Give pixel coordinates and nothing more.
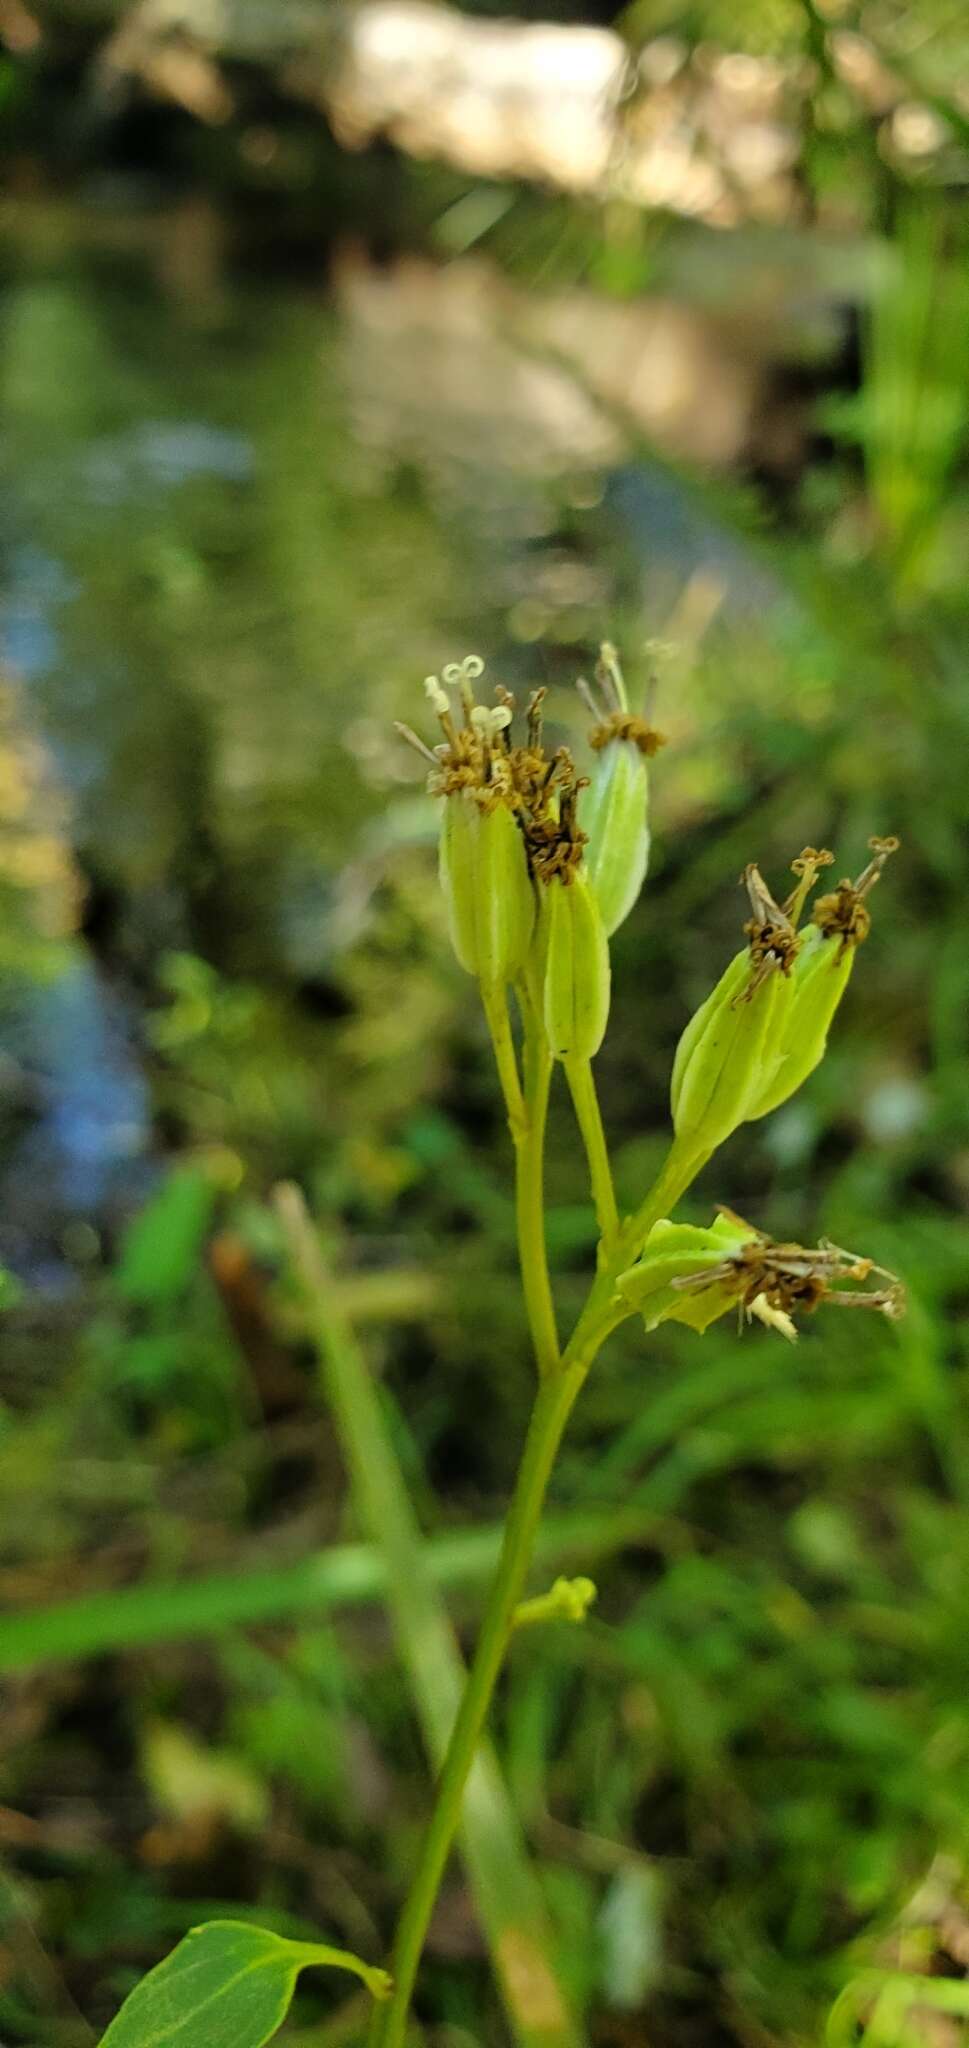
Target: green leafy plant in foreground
(227, 1984)
(539, 864)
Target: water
(242, 519)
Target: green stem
(526, 1120)
(530, 1202)
(602, 1312)
(506, 1894)
(674, 1177)
(579, 1075)
(554, 1402)
(495, 1002)
(553, 1406)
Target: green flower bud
(820, 975)
(725, 1059)
(615, 804)
(765, 1026)
(691, 1275)
(484, 864)
(487, 890)
(575, 966)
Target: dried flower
(692, 1275)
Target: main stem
(554, 1402)
(553, 1405)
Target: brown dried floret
(626, 725)
(788, 1279)
(844, 911)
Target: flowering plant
(539, 865)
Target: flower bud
(615, 805)
(484, 864)
(691, 1275)
(575, 966)
(821, 972)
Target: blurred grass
(506, 1893)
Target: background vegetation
(270, 454)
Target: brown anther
(453, 776)
(774, 943)
(881, 849)
(626, 725)
(533, 714)
(843, 913)
(554, 839)
(811, 860)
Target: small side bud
(574, 953)
(615, 805)
(566, 1600)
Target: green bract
(575, 967)
(614, 813)
(489, 897)
(724, 1059)
(615, 805)
(677, 1251)
(817, 983)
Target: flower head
(513, 857)
(764, 1027)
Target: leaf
(188, 1779)
(227, 1985)
(162, 1246)
(11, 1292)
(631, 1931)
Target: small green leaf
(11, 1292)
(227, 1985)
(163, 1245)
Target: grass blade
(344, 1575)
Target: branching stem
(561, 1376)
(527, 1113)
(579, 1075)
